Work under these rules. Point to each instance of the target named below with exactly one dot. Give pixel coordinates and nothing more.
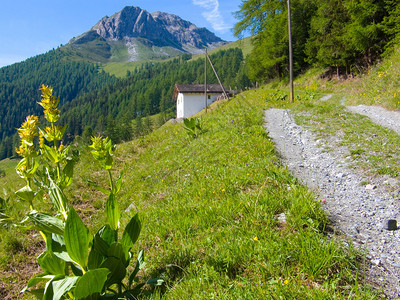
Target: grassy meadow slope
(244, 44)
(380, 86)
(120, 69)
(377, 86)
(221, 217)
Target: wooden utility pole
(216, 75)
(205, 80)
(290, 54)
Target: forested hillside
(19, 88)
(345, 37)
(98, 102)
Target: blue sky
(29, 27)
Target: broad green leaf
(139, 265)
(197, 123)
(58, 247)
(100, 244)
(22, 168)
(34, 166)
(65, 154)
(98, 252)
(112, 212)
(77, 238)
(107, 234)
(99, 188)
(95, 259)
(52, 264)
(48, 289)
(35, 280)
(117, 270)
(108, 163)
(38, 293)
(67, 173)
(140, 260)
(116, 250)
(58, 287)
(131, 233)
(47, 223)
(91, 283)
(187, 122)
(51, 154)
(58, 198)
(26, 194)
(62, 131)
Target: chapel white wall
(190, 104)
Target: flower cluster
(50, 102)
(103, 151)
(30, 129)
(27, 133)
(53, 133)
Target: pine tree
(267, 21)
(391, 23)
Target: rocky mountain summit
(186, 33)
(143, 35)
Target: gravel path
(379, 115)
(356, 210)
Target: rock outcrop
(133, 25)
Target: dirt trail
(359, 212)
(379, 115)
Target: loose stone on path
(379, 115)
(358, 211)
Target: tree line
(344, 36)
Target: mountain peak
(165, 34)
(187, 33)
(132, 22)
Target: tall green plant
(76, 264)
(192, 127)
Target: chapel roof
(197, 89)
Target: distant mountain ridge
(135, 34)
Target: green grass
(377, 86)
(210, 210)
(96, 51)
(8, 166)
(10, 183)
(120, 69)
(210, 206)
(244, 44)
(380, 86)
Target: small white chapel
(190, 98)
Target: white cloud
(212, 14)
